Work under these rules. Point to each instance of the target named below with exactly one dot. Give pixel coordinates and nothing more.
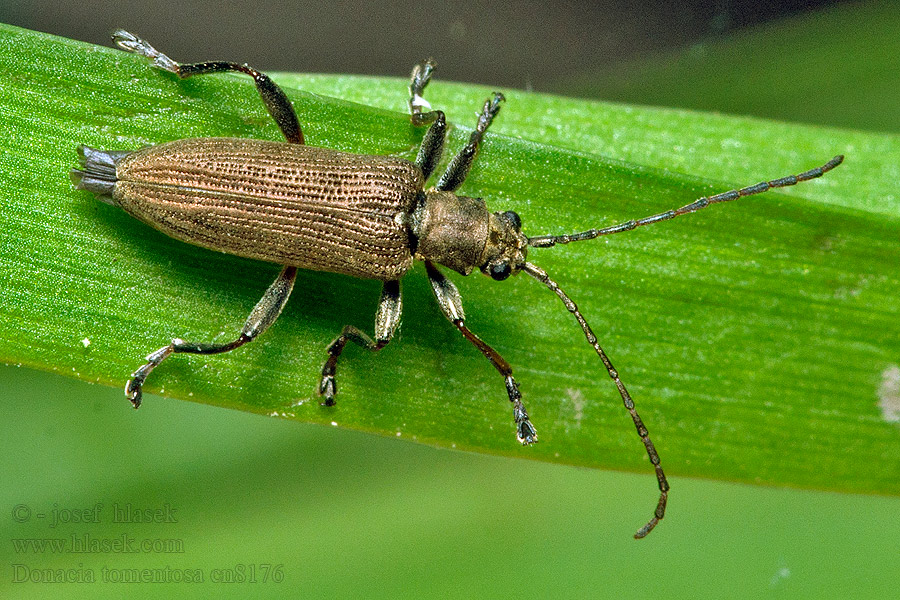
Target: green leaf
(758, 338)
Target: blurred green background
(343, 513)
(354, 514)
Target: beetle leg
(433, 143)
(432, 146)
(273, 97)
(421, 76)
(387, 318)
(451, 304)
(263, 315)
(459, 167)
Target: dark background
(525, 44)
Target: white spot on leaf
(780, 575)
(889, 394)
(577, 399)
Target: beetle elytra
(360, 215)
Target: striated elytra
(365, 216)
(311, 208)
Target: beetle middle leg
(263, 315)
(387, 318)
(451, 304)
(433, 143)
(273, 97)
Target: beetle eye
(513, 218)
(500, 271)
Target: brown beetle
(360, 215)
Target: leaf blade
(797, 282)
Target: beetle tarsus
(328, 385)
(133, 392)
(525, 431)
(132, 43)
(133, 389)
(328, 390)
(421, 75)
(489, 111)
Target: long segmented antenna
(546, 241)
(660, 512)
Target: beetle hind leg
(386, 321)
(263, 315)
(274, 98)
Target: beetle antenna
(660, 512)
(546, 241)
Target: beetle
(360, 215)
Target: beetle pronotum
(360, 215)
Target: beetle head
(506, 247)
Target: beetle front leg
(263, 315)
(387, 318)
(451, 304)
(274, 98)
